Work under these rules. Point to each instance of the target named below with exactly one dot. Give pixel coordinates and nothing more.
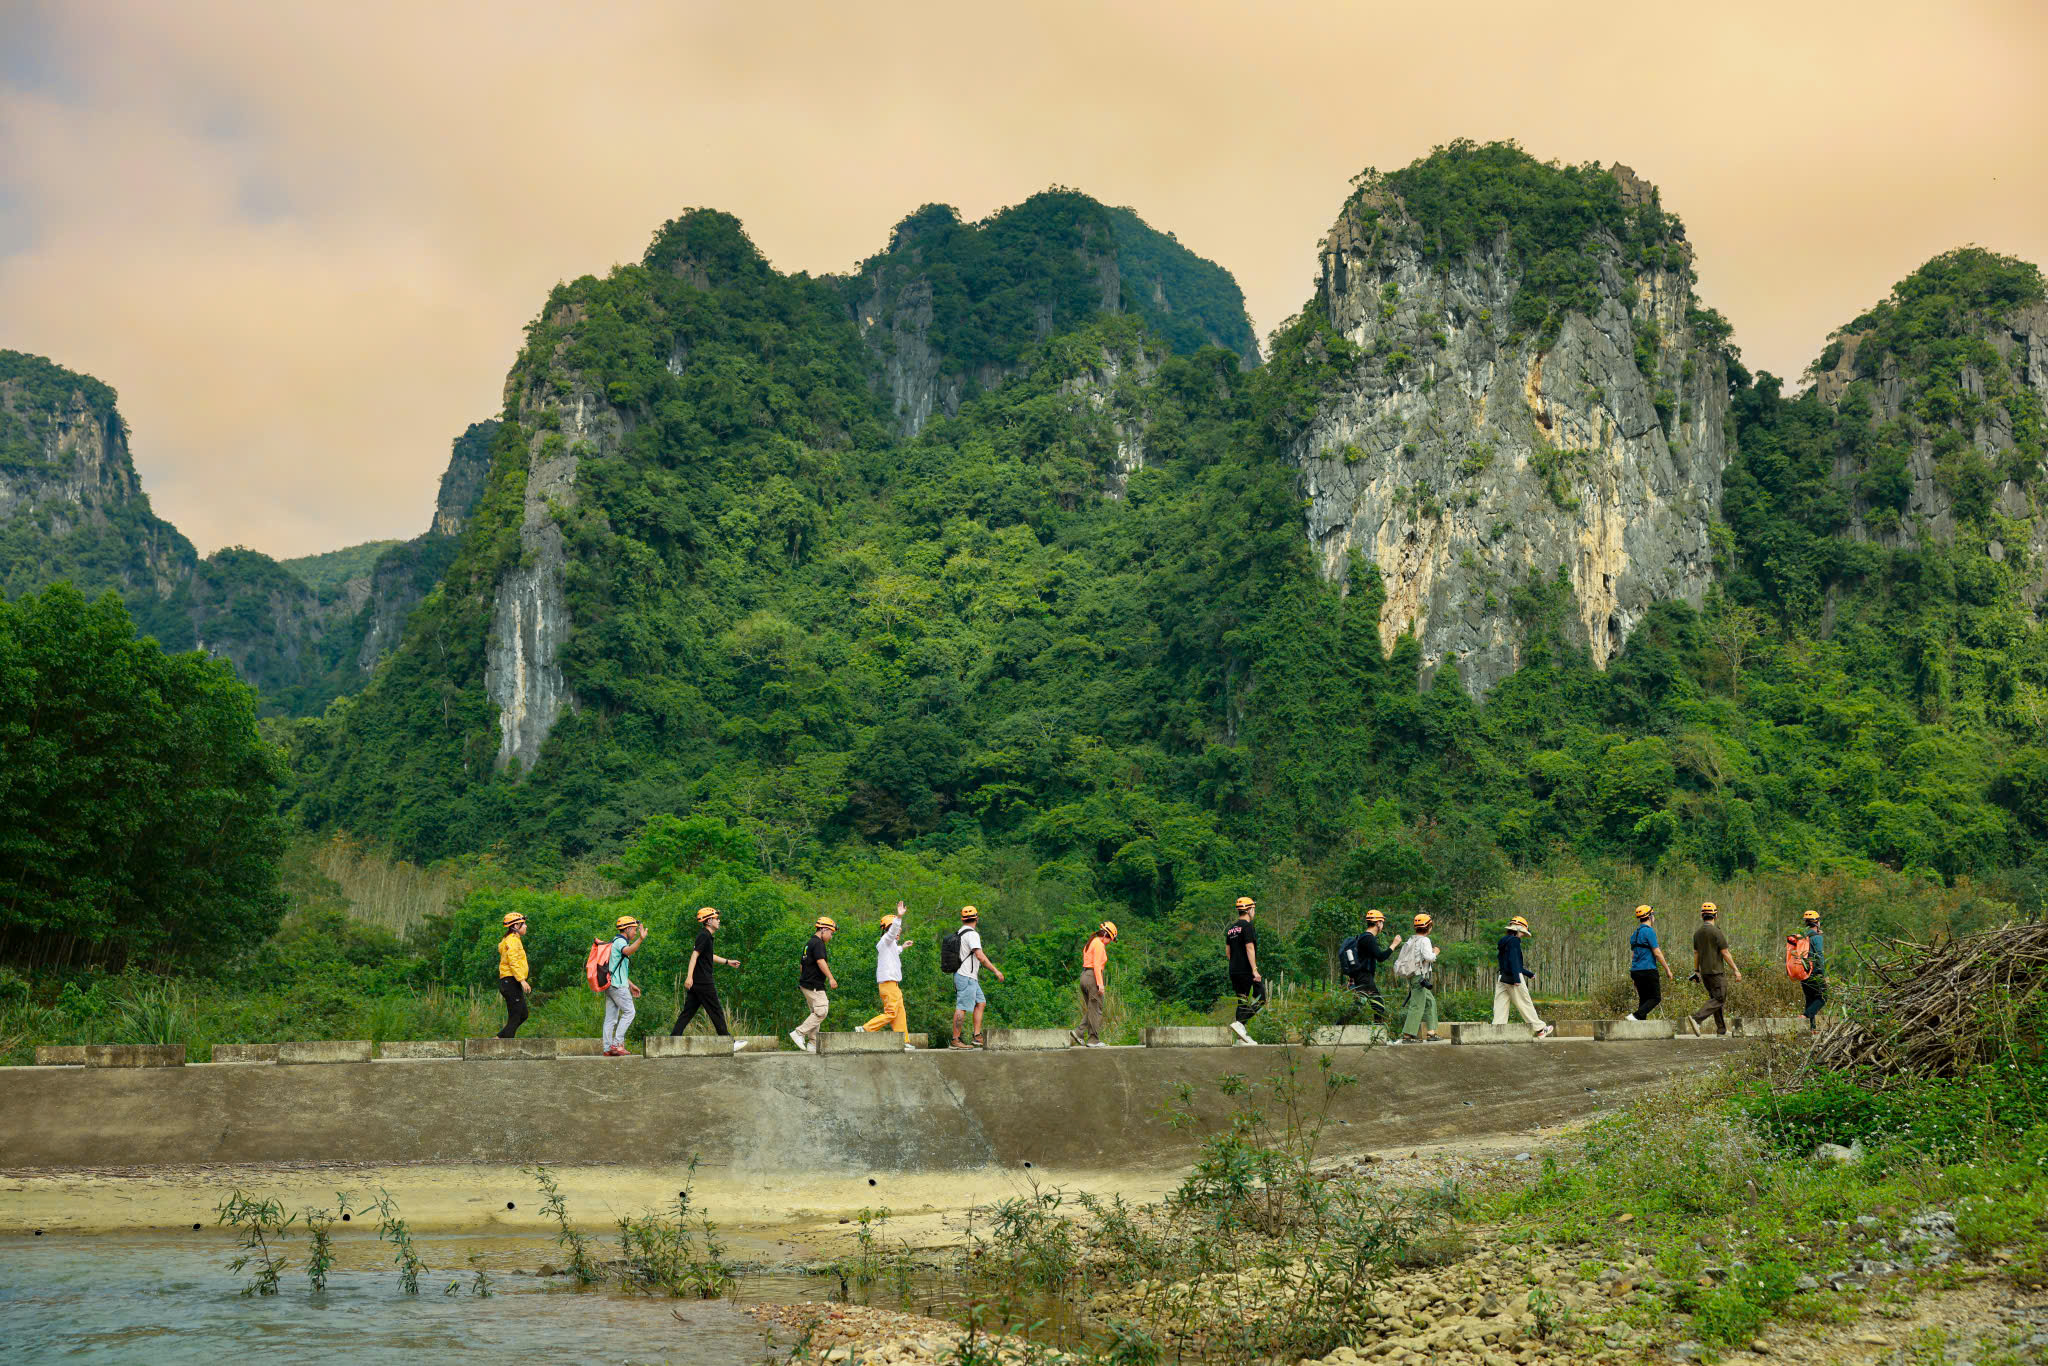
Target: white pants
(619, 1011)
(1516, 996)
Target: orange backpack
(597, 967)
(1796, 965)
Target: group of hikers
(608, 970)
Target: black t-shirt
(813, 978)
(705, 963)
(1240, 937)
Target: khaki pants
(892, 1016)
(819, 1005)
(1518, 997)
(1091, 1006)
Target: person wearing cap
(1417, 963)
(889, 977)
(1241, 942)
(1094, 958)
(619, 1009)
(1511, 985)
(1363, 980)
(1710, 956)
(1815, 987)
(1644, 958)
(512, 983)
(700, 991)
(813, 978)
(967, 992)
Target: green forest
(818, 667)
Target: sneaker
(1546, 1031)
(910, 1048)
(798, 1040)
(738, 1044)
(957, 1044)
(1237, 1028)
(615, 1052)
(1098, 1044)
(1075, 1035)
(1693, 1025)
(1403, 1038)
(1631, 1019)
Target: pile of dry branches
(1934, 1010)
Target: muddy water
(171, 1298)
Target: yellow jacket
(512, 958)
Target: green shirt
(1708, 943)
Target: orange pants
(892, 1016)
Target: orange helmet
(1107, 929)
(1375, 917)
(1644, 913)
(704, 913)
(826, 922)
(1424, 921)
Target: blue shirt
(1642, 949)
(620, 965)
(1816, 955)
(1511, 970)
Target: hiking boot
(957, 1044)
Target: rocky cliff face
(1465, 456)
(406, 573)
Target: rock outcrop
(1466, 456)
(406, 573)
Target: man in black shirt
(1242, 942)
(1363, 979)
(700, 992)
(814, 978)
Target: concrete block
(495, 1049)
(1492, 1033)
(762, 1045)
(1015, 1039)
(1619, 1030)
(324, 1050)
(413, 1050)
(1348, 1036)
(580, 1048)
(245, 1052)
(1575, 1029)
(60, 1055)
(859, 1041)
(1189, 1036)
(135, 1055)
(691, 1045)
(1762, 1025)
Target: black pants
(1251, 997)
(1815, 989)
(1716, 985)
(515, 1006)
(1365, 995)
(706, 1000)
(1649, 990)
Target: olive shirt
(1708, 943)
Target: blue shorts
(967, 992)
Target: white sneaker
(1098, 1044)
(1237, 1028)
(798, 1040)
(738, 1044)
(1632, 1019)
(1546, 1031)
(1693, 1025)
(910, 1048)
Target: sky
(301, 240)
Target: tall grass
(389, 893)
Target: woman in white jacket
(1417, 963)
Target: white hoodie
(889, 953)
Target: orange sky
(301, 240)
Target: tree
(138, 805)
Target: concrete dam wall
(789, 1112)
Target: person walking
(1815, 984)
(700, 991)
(967, 993)
(889, 977)
(512, 982)
(1361, 971)
(619, 993)
(1511, 985)
(1644, 958)
(1094, 958)
(1417, 963)
(813, 979)
(1241, 943)
(1710, 957)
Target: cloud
(302, 240)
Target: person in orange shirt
(1094, 958)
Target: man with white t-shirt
(967, 993)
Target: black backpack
(949, 952)
(1347, 956)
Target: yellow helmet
(1519, 923)
(1811, 917)
(704, 913)
(1245, 903)
(1375, 917)
(886, 921)
(1709, 908)
(1107, 928)
(826, 922)
(1424, 921)
(624, 921)
(969, 913)
(513, 918)
(1644, 913)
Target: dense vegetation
(324, 572)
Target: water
(171, 1299)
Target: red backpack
(597, 967)
(1796, 964)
